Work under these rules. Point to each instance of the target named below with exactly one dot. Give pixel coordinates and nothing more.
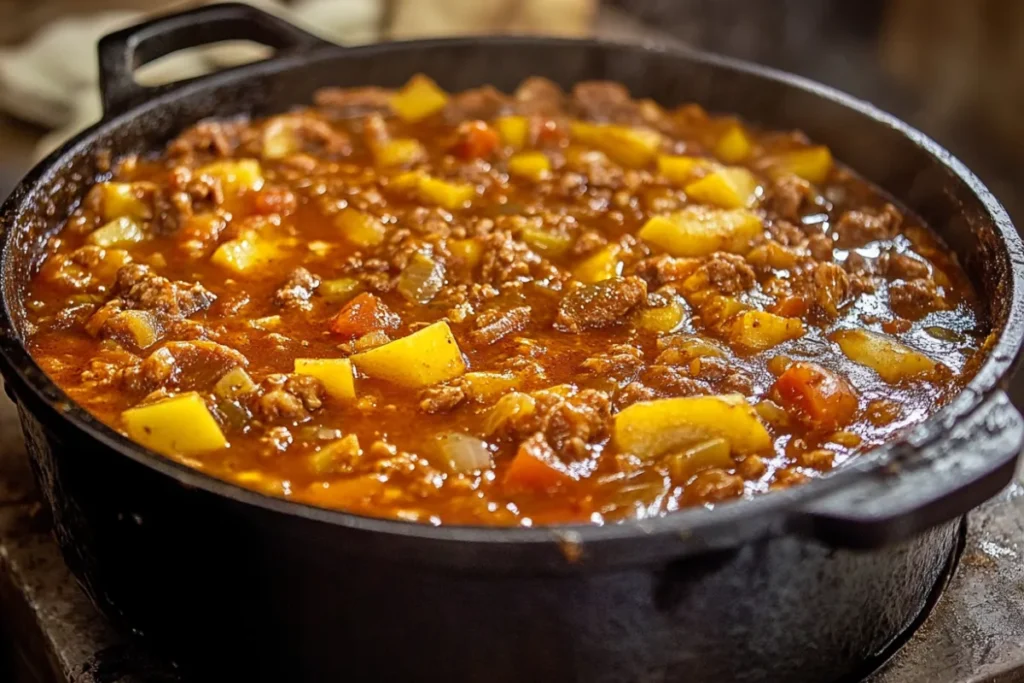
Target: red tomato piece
(819, 398)
(476, 140)
(536, 468)
(362, 315)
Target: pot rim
(761, 514)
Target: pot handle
(932, 484)
(122, 52)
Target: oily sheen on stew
(481, 308)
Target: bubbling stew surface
(493, 309)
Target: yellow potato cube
(811, 163)
(243, 254)
(399, 152)
(734, 145)
(530, 165)
(604, 264)
(893, 361)
(141, 326)
(681, 169)
(546, 242)
(334, 373)
(630, 147)
(469, 251)
(418, 99)
(653, 428)
(729, 188)
(698, 231)
(663, 319)
(513, 131)
(484, 387)
(181, 425)
(427, 356)
(361, 229)
(339, 290)
(117, 233)
(235, 176)
(279, 139)
(449, 195)
(758, 330)
(236, 382)
(120, 200)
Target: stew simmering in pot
(509, 310)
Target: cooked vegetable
(508, 408)
(334, 373)
(420, 98)
(476, 140)
(117, 233)
(422, 278)
(699, 457)
(604, 264)
(513, 131)
(698, 231)
(734, 145)
(464, 453)
(468, 251)
(893, 361)
(682, 169)
(425, 357)
(340, 290)
(360, 228)
(653, 428)
(535, 468)
(244, 254)
(364, 314)
(729, 188)
(758, 330)
(180, 425)
(122, 200)
(235, 175)
(631, 147)
(141, 327)
(449, 195)
(337, 457)
(234, 384)
(810, 163)
(484, 387)
(547, 243)
(819, 397)
(661, 319)
(530, 165)
(398, 152)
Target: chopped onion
(465, 453)
(421, 279)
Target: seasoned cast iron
(801, 584)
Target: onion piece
(465, 453)
(421, 279)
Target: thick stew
(479, 308)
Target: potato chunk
(117, 233)
(398, 152)
(530, 165)
(699, 231)
(680, 170)
(243, 254)
(734, 145)
(334, 373)
(630, 147)
(359, 228)
(181, 425)
(604, 264)
(513, 131)
(758, 330)
(425, 357)
(893, 361)
(811, 163)
(418, 99)
(729, 188)
(653, 428)
(121, 200)
(235, 175)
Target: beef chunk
(539, 96)
(857, 228)
(569, 421)
(207, 139)
(663, 269)
(289, 398)
(314, 135)
(831, 288)
(484, 103)
(297, 290)
(605, 101)
(599, 305)
(498, 324)
(728, 273)
(351, 102)
(184, 365)
(621, 362)
(914, 299)
(899, 266)
(441, 399)
(142, 289)
(787, 195)
(723, 376)
(506, 259)
(669, 381)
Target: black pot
(801, 584)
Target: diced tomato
(362, 315)
(476, 140)
(896, 326)
(816, 396)
(790, 307)
(535, 468)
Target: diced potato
(279, 138)
(181, 425)
(513, 131)
(116, 233)
(451, 196)
(699, 231)
(681, 169)
(530, 165)
(546, 242)
(418, 99)
(717, 310)
(484, 387)
(729, 188)
(243, 254)
(398, 152)
(235, 175)
(119, 200)
(630, 147)
(734, 145)
(235, 383)
(663, 319)
(339, 290)
(702, 456)
(758, 330)
(604, 264)
(359, 228)
(893, 361)
(334, 373)
(141, 326)
(468, 251)
(337, 457)
(810, 163)
(425, 357)
(653, 428)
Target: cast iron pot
(802, 584)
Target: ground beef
(787, 195)
(787, 234)
(622, 362)
(498, 324)
(668, 381)
(568, 421)
(599, 305)
(351, 102)
(857, 228)
(506, 259)
(820, 246)
(142, 289)
(441, 399)
(588, 242)
(290, 398)
(914, 299)
(658, 271)
(605, 101)
(484, 103)
(729, 274)
(297, 290)
(538, 96)
(831, 288)
(634, 392)
(217, 139)
(184, 365)
(314, 135)
(723, 376)
(899, 266)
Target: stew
(480, 308)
